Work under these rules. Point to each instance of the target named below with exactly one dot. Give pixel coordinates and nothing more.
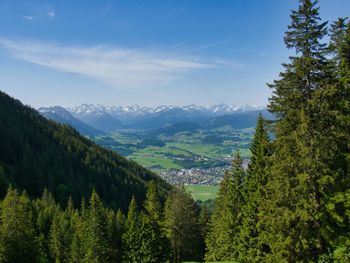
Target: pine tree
(77, 222)
(45, 209)
(113, 237)
(254, 194)
(131, 238)
(223, 230)
(292, 216)
(95, 238)
(181, 222)
(18, 241)
(154, 242)
(60, 237)
(120, 225)
(333, 142)
(203, 223)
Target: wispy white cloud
(51, 14)
(263, 53)
(29, 17)
(233, 64)
(119, 67)
(41, 13)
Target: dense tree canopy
(36, 154)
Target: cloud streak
(118, 67)
(29, 17)
(48, 13)
(51, 14)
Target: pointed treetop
(306, 30)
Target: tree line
(41, 231)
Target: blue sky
(145, 52)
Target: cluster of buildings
(201, 176)
(208, 176)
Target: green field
(202, 192)
(195, 149)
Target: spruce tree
(223, 230)
(78, 219)
(45, 209)
(18, 241)
(293, 215)
(113, 237)
(203, 223)
(154, 242)
(255, 181)
(181, 222)
(131, 238)
(95, 239)
(60, 238)
(333, 142)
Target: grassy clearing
(155, 161)
(198, 149)
(202, 192)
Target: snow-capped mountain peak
(135, 110)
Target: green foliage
(131, 238)
(36, 154)
(182, 226)
(61, 235)
(92, 234)
(95, 238)
(304, 214)
(155, 245)
(18, 242)
(222, 238)
(297, 188)
(249, 245)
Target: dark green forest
(292, 203)
(36, 154)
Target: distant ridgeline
(36, 154)
(92, 120)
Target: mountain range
(90, 119)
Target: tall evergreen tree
(45, 209)
(155, 246)
(18, 241)
(203, 223)
(294, 215)
(223, 229)
(131, 238)
(181, 222)
(255, 181)
(96, 236)
(113, 237)
(333, 142)
(78, 219)
(60, 237)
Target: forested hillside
(36, 154)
